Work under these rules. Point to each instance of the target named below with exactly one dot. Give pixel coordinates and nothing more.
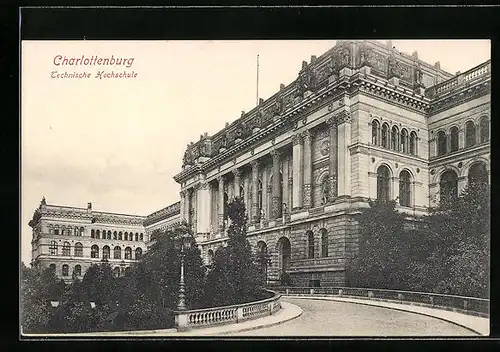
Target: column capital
(203, 185)
(297, 139)
(236, 172)
(220, 179)
(255, 165)
(343, 117)
(182, 193)
(332, 122)
(307, 136)
(275, 154)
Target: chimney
(261, 101)
(304, 64)
(388, 43)
(205, 134)
(415, 54)
(89, 206)
(282, 86)
(313, 59)
(458, 72)
(201, 137)
(437, 65)
(227, 124)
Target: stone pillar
(297, 171)
(461, 138)
(194, 200)
(276, 199)
(236, 182)
(333, 157)
(462, 183)
(285, 186)
(307, 188)
(204, 208)
(182, 205)
(221, 204)
(255, 180)
(343, 154)
(248, 206)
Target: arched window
(470, 134)
(92, 233)
(405, 189)
(127, 270)
(448, 184)
(52, 268)
(126, 236)
(484, 130)
(65, 270)
(394, 138)
(310, 244)
(97, 234)
(383, 183)
(404, 141)
(63, 231)
(138, 254)
(210, 257)
(259, 195)
(82, 230)
(120, 236)
(66, 250)
(375, 132)
(324, 242)
(53, 248)
(77, 270)
(441, 139)
(325, 190)
(454, 139)
(413, 143)
(117, 252)
(115, 235)
(94, 251)
(70, 231)
(141, 237)
(385, 135)
(478, 174)
(128, 253)
(116, 271)
(78, 249)
(109, 234)
(136, 236)
(106, 252)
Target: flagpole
(257, 79)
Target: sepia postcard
(272, 188)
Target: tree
(35, 296)
(461, 255)
(234, 277)
(98, 284)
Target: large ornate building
(70, 239)
(360, 122)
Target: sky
(118, 142)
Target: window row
(448, 182)
(77, 269)
(384, 186)
(449, 143)
(66, 249)
(394, 139)
(117, 252)
(311, 244)
(116, 235)
(66, 231)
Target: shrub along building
(360, 122)
(70, 239)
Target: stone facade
(358, 123)
(71, 239)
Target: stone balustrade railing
(234, 314)
(468, 305)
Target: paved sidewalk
(478, 325)
(287, 312)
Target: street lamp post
(185, 245)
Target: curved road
(330, 318)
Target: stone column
(307, 188)
(284, 198)
(297, 171)
(194, 200)
(204, 208)
(255, 181)
(187, 205)
(236, 182)
(461, 138)
(182, 206)
(343, 154)
(333, 157)
(248, 206)
(221, 204)
(276, 201)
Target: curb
(372, 304)
(269, 324)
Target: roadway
(330, 318)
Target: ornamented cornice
(167, 212)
